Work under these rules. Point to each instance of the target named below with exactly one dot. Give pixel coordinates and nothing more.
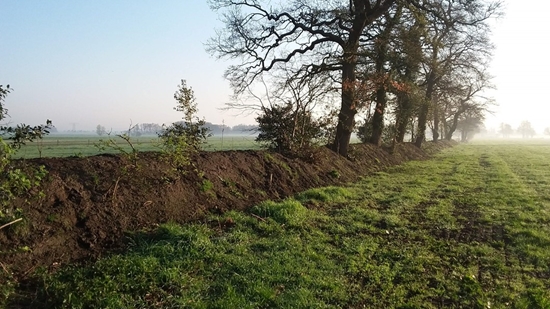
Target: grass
(467, 229)
(84, 145)
(65, 145)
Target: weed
(111, 144)
(52, 218)
(334, 174)
(206, 185)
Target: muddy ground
(90, 203)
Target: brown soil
(91, 202)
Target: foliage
(328, 123)
(111, 144)
(206, 185)
(287, 129)
(181, 141)
(15, 181)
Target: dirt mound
(91, 202)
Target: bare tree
(457, 37)
(382, 55)
(471, 122)
(406, 66)
(314, 37)
(459, 94)
(506, 130)
(100, 130)
(526, 130)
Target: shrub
(14, 181)
(287, 128)
(183, 140)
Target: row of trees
(524, 129)
(154, 129)
(403, 66)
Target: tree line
(525, 129)
(386, 69)
(155, 129)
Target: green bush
(181, 141)
(287, 129)
(14, 181)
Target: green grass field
(60, 145)
(467, 229)
(85, 145)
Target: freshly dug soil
(89, 203)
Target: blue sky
(106, 62)
(112, 62)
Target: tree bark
(454, 125)
(452, 128)
(435, 132)
(378, 117)
(404, 114)
(424, 109)
(348, 109)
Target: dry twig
(10, 223)
(258, 217)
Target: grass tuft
(288, 211)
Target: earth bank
(89, 203)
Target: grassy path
(467, 229)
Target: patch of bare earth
(91, 202)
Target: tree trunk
(424, 109)
(404, 109)
(464, 136)
(454, 125)
(346, 117)
(435, 131)
(378, 117)
(381, 47)
(421, 125)
(364, 13)
(402, 121)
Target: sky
(84, 63)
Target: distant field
(59, 145)
(85, 145)
(64, 145)
(467, 229)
